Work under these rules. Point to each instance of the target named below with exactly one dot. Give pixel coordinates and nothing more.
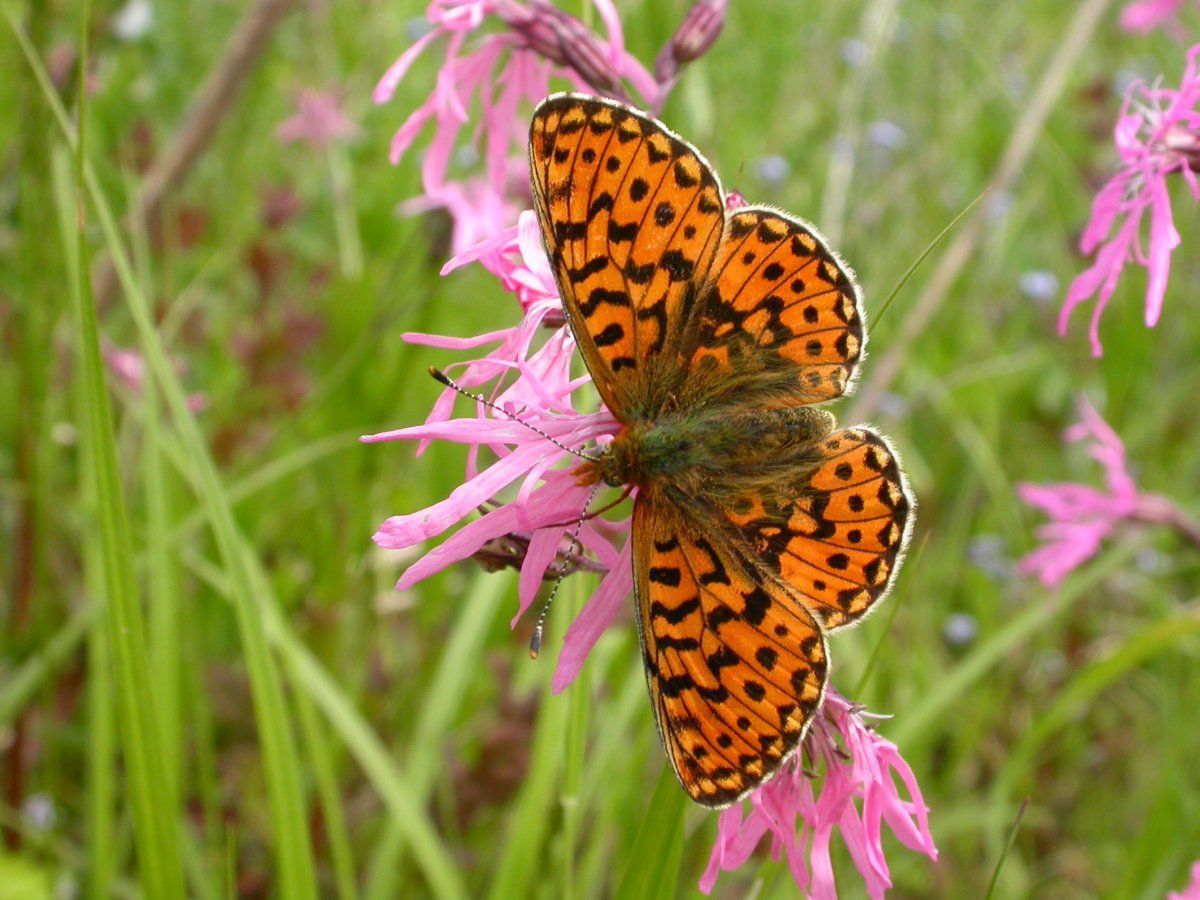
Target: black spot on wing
(609, 335)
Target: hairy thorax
(680, 448)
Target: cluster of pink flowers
(524, 372)
(505, 68)
(857, 795)
(1157, 135)
(539, 389)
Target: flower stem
(576, 746)
(1153, 509)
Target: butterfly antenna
(449, 382)
(535, 642)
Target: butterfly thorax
(680, 448)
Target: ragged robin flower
(853, 790)
(1157, 135)
(500, 70)
(1146, 15)
(1083, 517)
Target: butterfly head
(616, 465)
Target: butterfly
(758, 526)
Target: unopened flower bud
(563, 39)
(694, 36)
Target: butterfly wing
(781, 315)
(735, 664)
(832, 525)
(631, 217)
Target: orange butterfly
(757, 528)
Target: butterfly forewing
(735, 664)
(632, 217)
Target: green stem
(575, 747)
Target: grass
(210, 680)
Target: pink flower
(539, 42)
(857, 795)
(318, 121)
(1192, 891)
(1146, 15)
(477, 207)
(1157, 134)
(128, 367)
(1082, 517)
(502, 70)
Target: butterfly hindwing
(632, 216)
(835, 531)
(735, 665)
(780, 305)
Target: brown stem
(1155, 510)
(209, 105)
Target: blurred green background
(420, 747)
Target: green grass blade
(88, 620)
(165, 595)
(954, 684)
(296, 872)
(325, 778)
(22, 683)
(155, 827)
(652, 867)
(1012, 837)
(485, 596)
(574, 749)
(308, 675)
(102, 749)
(529, 818)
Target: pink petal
(550, 507)
(392, 77)
(595, 617)
(400, 532)
(543, 548)
(1163, 239)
